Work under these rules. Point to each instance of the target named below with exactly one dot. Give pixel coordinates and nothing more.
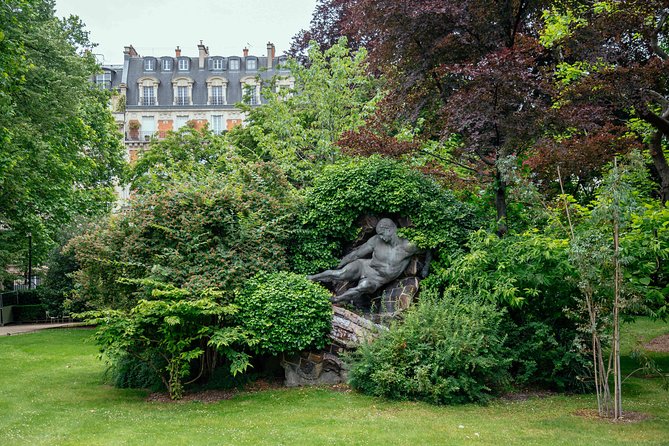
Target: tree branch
(655, 36)
(659, 122)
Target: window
(251, 64)
(217, 124)
(148, 96)
(217, 64)
(167, 64)
(180, 121)
(234, 64)
(148, 127)
(149, 64)
(217, 95)
(103, 81)
(182, 95)
(251, 96)
(183, 64)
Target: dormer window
(250, 90)
(149, 64)
(282, 63)
(234, 64)
(183, 91)
(251, 64)
(217, 64)
(184, 64)
(103, 80)
(216, 90)
(148, 91)
(167, 64)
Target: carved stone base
(326, 367)
(349, 330)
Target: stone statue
(390, 255)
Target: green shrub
(212, 233)
(171, 335)
(126, 371)
(284, 312)
(530, 276)
(28, 313)
(353, 188)
(447, 351)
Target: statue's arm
(360, 252)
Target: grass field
(52, 393)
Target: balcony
(144, 136)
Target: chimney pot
(177, 52)
(270, 55)
(245, 51)
(203, 52)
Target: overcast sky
(157, 27)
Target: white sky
(155, 28)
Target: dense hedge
(448, 350)
(284, 312)
(382, 187)
(216, 232)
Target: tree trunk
(500, 204)
(661, 165)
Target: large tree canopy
(60, 151)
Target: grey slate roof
(134, 69)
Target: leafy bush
(28, 313)
(447, 351)
(215, 232)
(126, 371)
(531, 277)
(284, 312)
(350, 189)
(170, 335)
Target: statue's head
(386, 228)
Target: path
(30, 328)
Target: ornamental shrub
(447, 351)
(284, 312)
(170, 333)
(214, 232)
(530, 276)
(356, 187)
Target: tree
(612, 64)
(188, 154)
(60, 147)
(472, 68)
(297, 127)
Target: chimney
(246, 52)
(270, 55)
(177, 52)
(130, 51)
(203, 52)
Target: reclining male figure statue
(390, 255)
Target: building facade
(156, 94)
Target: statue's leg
(364, 287)
(348, 272)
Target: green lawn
(51, 392)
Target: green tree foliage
(60, 149)
(284, 312)
(447, 350)
(530, 276)
(377, 186)
(172, 331)
(181, 156)
(214, 232)
(298, 127)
